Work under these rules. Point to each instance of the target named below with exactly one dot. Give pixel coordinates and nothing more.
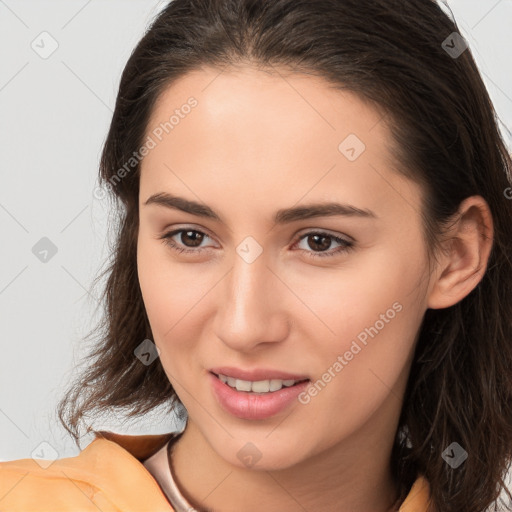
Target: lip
(256, 374)
(252, 406)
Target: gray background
(55, 113)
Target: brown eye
(194, 237)
(187, 240)
(320, 242)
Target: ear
(465, 254)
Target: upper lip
(256, 374)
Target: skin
(255, 143)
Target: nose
(251, 308)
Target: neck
(352, 476)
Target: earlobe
(469, 245)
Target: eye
(192, 236)
(319, 241)
(322, 241)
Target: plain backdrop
(55, 111)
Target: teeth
(260, 386)
(243, 385)
(275, 385)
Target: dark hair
(393, 54)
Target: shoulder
(418, 499)
(104, 476)
(62, 484)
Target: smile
(259, 386)
(240, 398)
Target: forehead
(253, 131)
(264, 99)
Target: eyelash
(345, 247)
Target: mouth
(258, 387)
(256, 399)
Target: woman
(313, 261)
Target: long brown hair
(404, 58)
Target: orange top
(109, 476)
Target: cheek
(166, 299)
(163, 289)
(172, 294)
(153, 283)
(352, 297)
(368, 316)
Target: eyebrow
(282, 216)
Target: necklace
(179, 503)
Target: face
(335, 296)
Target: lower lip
(252, 406)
